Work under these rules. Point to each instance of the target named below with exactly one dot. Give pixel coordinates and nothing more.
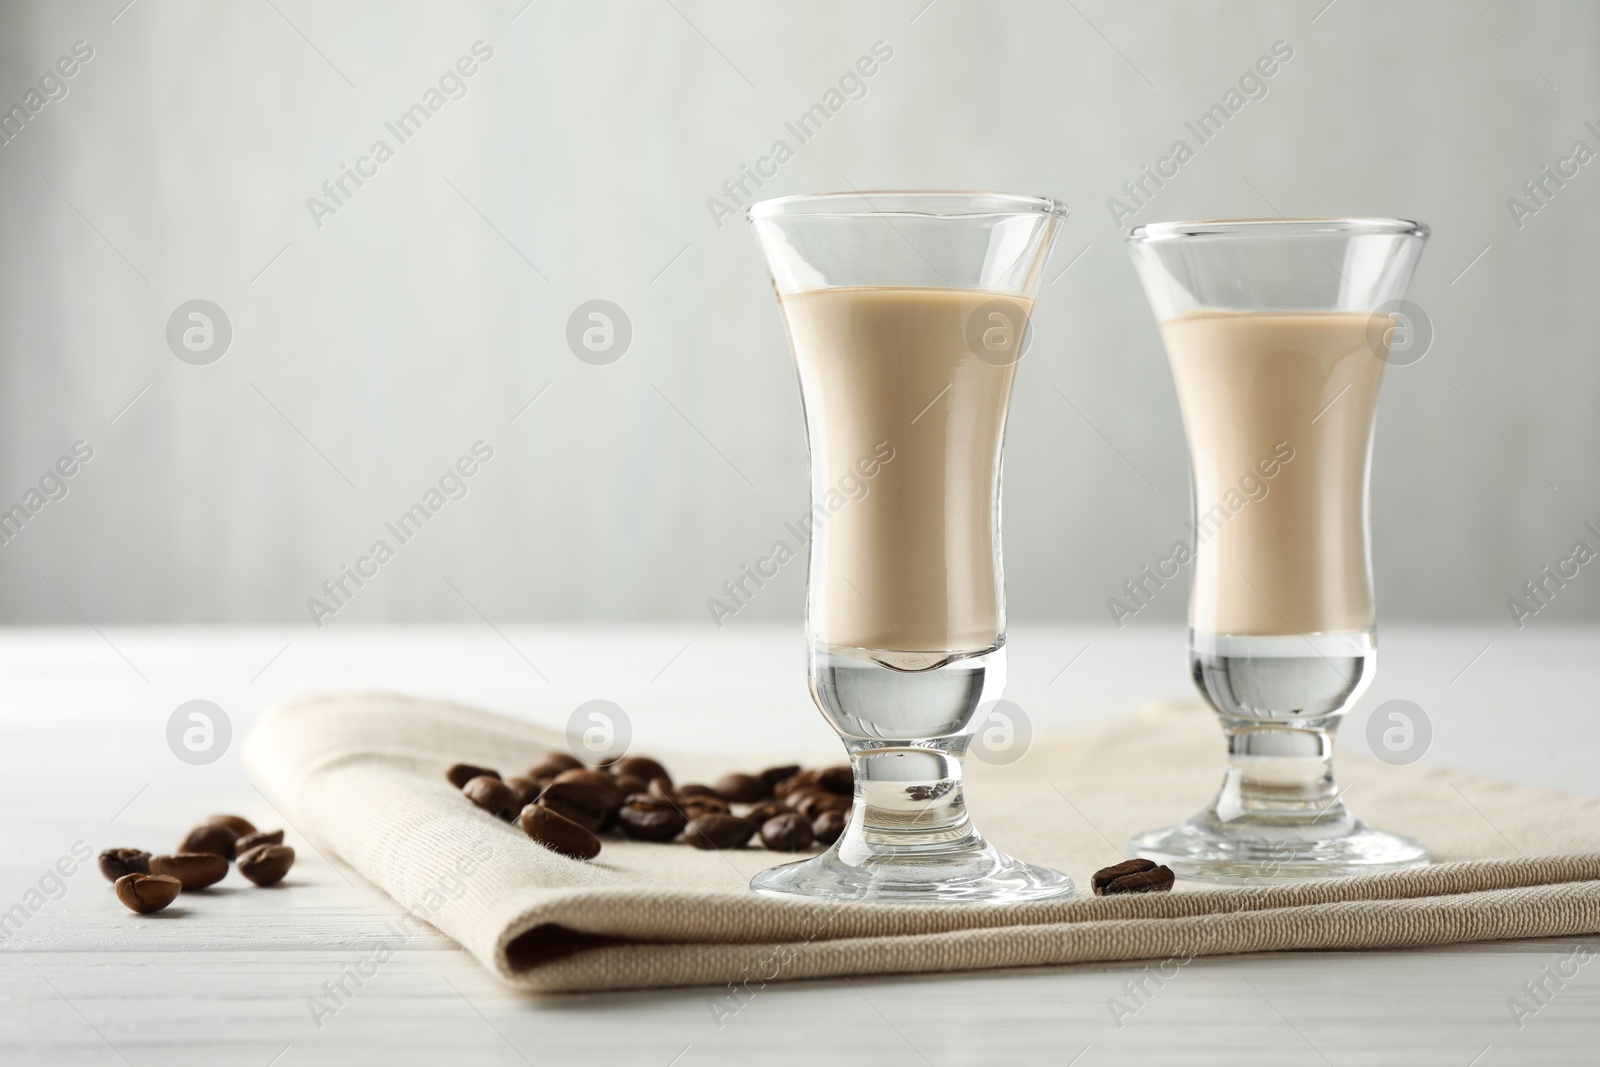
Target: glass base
(906, 720)
(1279, 816)
(1208, 849)
(980, 874)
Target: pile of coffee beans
(1132, 876)
(147, 883)
(566, 807)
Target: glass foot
(979, 874)
(1256, 850)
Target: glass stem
(1281, 772)
(908, 797)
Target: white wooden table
(225, 979)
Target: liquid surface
(1294, 394)
(911, 561)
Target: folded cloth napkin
(363, 774)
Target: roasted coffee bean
(1132, 876)
(813, 802)
(640, 767)
(260, 837)
(580, 802)
(462, 773)
(558, 833)
(145, 893)
(552, 764)
(594, 780)
(662, 787)
(762, 812)
(742, 788)
(799, 796)
(719, 830)
(631, 784)
(702, 805)
(840, 780)
(1156, 880)
(773, 775)
(493, 796)
(195, 870)
(812, 805)
(267, 864)
(211, 837)
(527, 790)
(829, 825)
(929, 792)
(237, 823)
(787, 833)
(116, 862)
(835, 802)
(694, 789)
(649, 818)
(798, 782)
(1106, 875)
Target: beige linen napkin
(364, 775)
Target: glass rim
(930, 203)
(1276, 227)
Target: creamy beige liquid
(912, 565)
(1252, 386)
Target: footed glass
(906, 314)
(1278, 331)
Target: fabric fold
(363, 774)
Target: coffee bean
(1132, 876)
(762, 812)
(796, 797)
(117, 862)
(211, 837)
(631, 784)
(812, 805)
(1106, 875)
(926, 791)
(797, 782)
(702, 805)
(237, 823)
(742, 788)
(460, 774)
(593, 779)
(694, 789)
(267, 864)
(580, 802)
(640, 767)
(552, 764)
(260, 837)
(773, 775)
(719, 830)
(195, 870)
(1159, 880)
(662, 787)
(840, 780)
(527, 790)
(145, 893)
(829, 825)
(650, 818)
(558, 833)
(493, 796)
(787, 833)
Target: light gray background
(423, 316)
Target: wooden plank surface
(225, 977)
